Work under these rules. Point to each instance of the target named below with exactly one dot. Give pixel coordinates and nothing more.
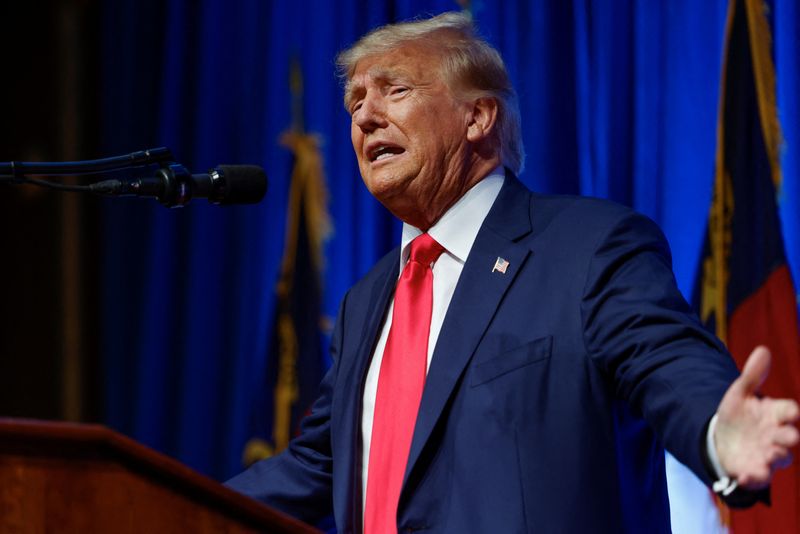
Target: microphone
(174, 186)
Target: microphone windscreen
(244, 184)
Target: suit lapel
(381, 293)
(474, 303)
(353, 375)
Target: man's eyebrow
(383, 74)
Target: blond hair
(471, 67)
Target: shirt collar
(457, 229)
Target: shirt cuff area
(723, 485)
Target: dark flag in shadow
(296, 361)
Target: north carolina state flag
(744, 290)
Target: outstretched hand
(754, 434)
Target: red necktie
(400, 384)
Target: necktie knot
(425, 250)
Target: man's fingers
(786, 436)
(755, 371)
(775, 454)
(786, 410)
(755, 479)
(758, 475)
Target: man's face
(409, 133)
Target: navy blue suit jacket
(552, 390)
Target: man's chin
(385, 186)
(407, 208)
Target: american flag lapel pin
(500, 265)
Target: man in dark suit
(534, 357)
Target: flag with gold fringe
(295, 361)
(744, 291)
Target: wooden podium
(69, 478)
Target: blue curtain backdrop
(618, 98)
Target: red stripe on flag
(769, 317)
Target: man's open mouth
(381, 152)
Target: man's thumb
(755, 371)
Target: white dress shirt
(456, 231)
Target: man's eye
(355, 108)
(398, 89)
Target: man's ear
(483, 119)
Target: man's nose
(371, 114)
